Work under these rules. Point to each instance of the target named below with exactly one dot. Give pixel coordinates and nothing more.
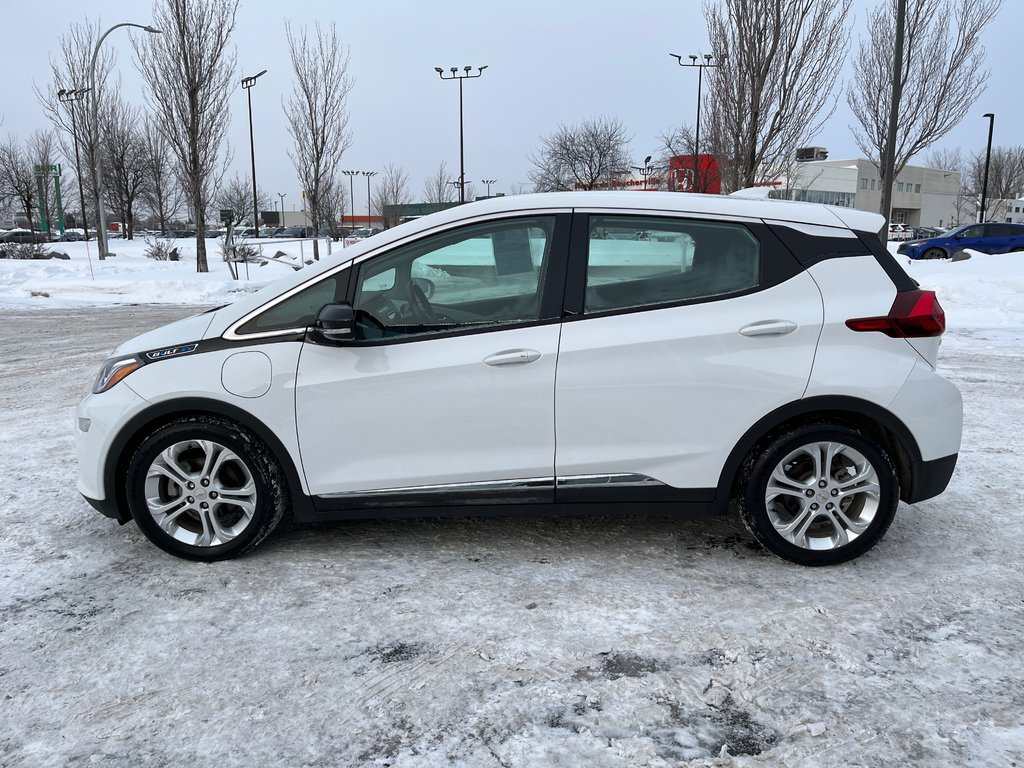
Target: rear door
(680, 334)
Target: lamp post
(460, 76)
(368, 174)
(281, 195)
(70, 97)
(247, 84)
(988, 157)
(352, 196)
(488, 182)
(701, 66)
(94, 133)
(644, 170)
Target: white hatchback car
(666, 352)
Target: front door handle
(769, 328)
(512, 357)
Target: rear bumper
(930, 478)
(107, 508)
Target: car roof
(669, 202)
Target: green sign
(47, 169)
(227, 215)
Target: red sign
(686, 176)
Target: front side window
(474, 277)
(636, 262)
(978, 231)
(298, 311)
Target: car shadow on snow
(535, 539)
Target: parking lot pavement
(500, 642)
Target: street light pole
(94, 133)
(645, 170)
(247, 84)
(988, 157)
(464, 75)
(699, 184)
(352, 196)
(282, 196)
(368, 174)
(70, 97)
(488, 182)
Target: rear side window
(638, 262)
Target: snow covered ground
(498, 642)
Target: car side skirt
(611, 494)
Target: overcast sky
(548, 62)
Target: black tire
(766, 519)
(247, 472)
(935, 253)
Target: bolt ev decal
(182, 349)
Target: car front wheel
(820, 495)
(203, 488)
(934, 253)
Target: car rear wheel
(820, 495)
(934, 253)
(202, 488)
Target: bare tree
(587, 155)
(73, 118)
(951, 160)
(125, 162)
(774, 90)
(941, 77)
(1005, 178)
(18, 179)
(189, 70)
(392, 190)
(317, 113)
(162, 194)
(236, 196)
(332, 207)
(438, 188)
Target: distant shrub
(24, 251)
(160, 250)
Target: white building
(1014, 211)
(922, 197)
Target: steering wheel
(419, 304)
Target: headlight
(115, 369)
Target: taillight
(914, 315)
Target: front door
(447, 394)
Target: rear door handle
(512, 357)
(769, 328)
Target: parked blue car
(986, 238)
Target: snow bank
(132, 278)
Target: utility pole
(889, 160)
(247, 84)
(460, 76)
(699, 183)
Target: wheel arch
(891, 433)
(132, 434)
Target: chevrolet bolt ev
(658, 352)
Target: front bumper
(98, 419)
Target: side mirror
(336, 323)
